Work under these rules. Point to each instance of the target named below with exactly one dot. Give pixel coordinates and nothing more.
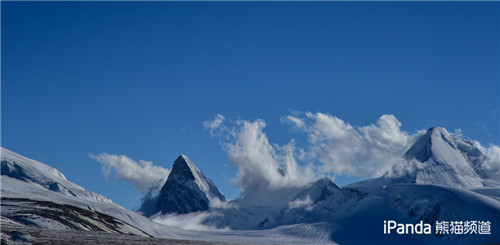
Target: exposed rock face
(186, 190)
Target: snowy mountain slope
(440, 158)
(447, 160)
(411, 203)
(18, 167)
(186, 190)
(63, 217)
(493, 192)
(350, 212)
(318, 191)
(29, 179)
(439, 180)
(314, 203)
(250, 211)
(255, 210)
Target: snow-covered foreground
(14, 232)
(357, 217)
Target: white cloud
(190, 221)
(458, 132)
(403, 166)
(217, 203)
(145, 176)
(367, 151)
(491, 165)
(214, 124)
(301, 203)
(262, 166)
(333, 147)
(298, 122)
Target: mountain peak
(422, 149)
(442, 158)
(182, 157)
(186, 190)
(438, 129)
(441, 133)
(319, 190)
(184, 168)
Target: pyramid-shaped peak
(185, 169)
(183, 157)
(438, 130)
(184, 160)
(186, 190)
(444, 159)
(426, 145)
(434, 133)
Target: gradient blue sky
(140, 78)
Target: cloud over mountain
(333, 145)
(144, 175)
(353, 151)
(262, 165)
(491, 165)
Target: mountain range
(39, 203)
(439, 178)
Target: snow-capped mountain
(318, 190)
(440, 158)
(347, 211)
(316, 202)
(186, 190)
(439, 179)
(19, 168)
(37, 194)
(443, 159)
(312, 203)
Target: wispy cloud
(144, 175)
(301, 203)
(333, 145)
(191, 221)
(491, 165)
(458, 132)
(261, 164)
(353, 151)
(214, 124)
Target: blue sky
(140, 79)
